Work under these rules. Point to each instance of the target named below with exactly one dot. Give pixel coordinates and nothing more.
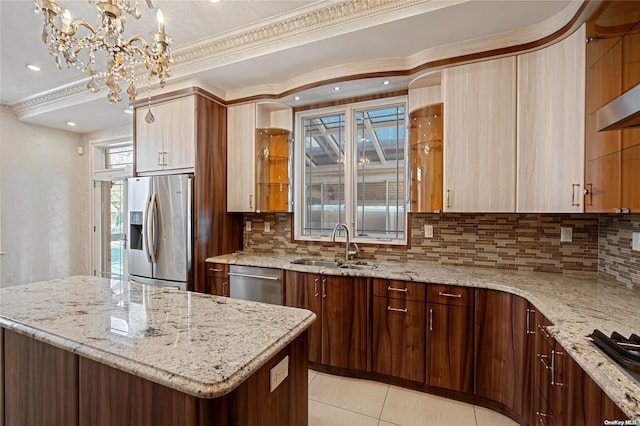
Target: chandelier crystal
(77, 43)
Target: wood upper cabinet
(551, 120)
(339, 335)
(399, 329)
(500, 348)
(480, 134)
(612, 159)
(169, 143)
(259, 157)
(450, 332)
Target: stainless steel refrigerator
(160, 239)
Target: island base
(42, 384)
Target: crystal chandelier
(77, 42)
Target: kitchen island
(87, 350)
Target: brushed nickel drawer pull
(215, 270)
(543, 331)
(389, 308)
(457, 296)
(315, 287)
(529, 312)
(430, 319)
(542, 357)
(403, 290)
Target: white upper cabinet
(247, 192)
(167, 144)
(551, 121)
(480, 136)
(241, 172)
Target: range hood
(621, 113)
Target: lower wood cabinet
(500, 348)
(398, 343)
(217, 279)
(450, 342)
(339, 335)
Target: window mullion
(350, 169)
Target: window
(117, 157)
(351, 163)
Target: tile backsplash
(509, 241)
(616, 259)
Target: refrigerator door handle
(145, 235)
(151, 227)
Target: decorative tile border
(616, 259)
(508, 241)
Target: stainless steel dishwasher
(257, 284)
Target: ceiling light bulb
(71, 124)
(33, 67)
(386, 82)
(296, 98)
(336, 88)
(215, 1)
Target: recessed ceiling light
(33, 67)
(215, 1)
(129, 110)
(337, 88)
(71, 124)
(296, 98)
(386, 82)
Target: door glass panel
(324, 202)
(379, 186)
(112, 229)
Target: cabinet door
(500, 345)
(304, 291)
(344, 322)
(450, 347)
(148, 143)
(241, 174)
(480, 136)
(178, 119)
(169, 142)
(399, 338)
(218, 286)
(551, 105)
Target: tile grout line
(386, 394)
(475, 415)
(345, 409)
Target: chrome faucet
(347, 253)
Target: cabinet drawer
(450, 295)
(396, 289)
(217, 270)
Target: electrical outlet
(635, 241)
(9, 279)
(428, 231)
(566, 234)
(247, 226)
(267, 227)
(278, 373)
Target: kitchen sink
(358, 267)
(317, 262)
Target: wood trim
(181, 93)
(439, 63)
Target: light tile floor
(335, 401)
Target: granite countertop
(198, 344)
(576, 304)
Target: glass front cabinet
(259, 152)
(425, 161)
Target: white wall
(45, 203)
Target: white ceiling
(381, 35)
